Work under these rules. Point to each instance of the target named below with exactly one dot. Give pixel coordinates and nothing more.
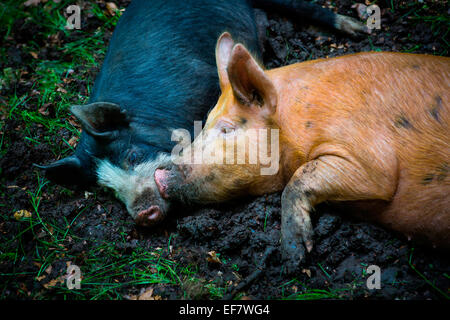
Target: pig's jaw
(136, 189)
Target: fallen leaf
(43, 110)
(54, 282)
(111, 7)
(213, 257)
(307, 271)
(49, 269)
(153, 270)
(41, 277)
(73, 142)
(147, 295)
(31, 3)
(22, 214)
(74, 123)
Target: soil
(245, 233)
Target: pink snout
(161, 179)
(150, 216)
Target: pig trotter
(350, 26)
(296, 227)
(292, 252)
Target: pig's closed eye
(226, 130)
(132, 158)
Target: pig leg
(328, 178)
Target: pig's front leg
(330, 178)
(296, 227)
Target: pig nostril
(149, 217)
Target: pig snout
(148, 208)
(169, 177)
(150, 216)
(161, 180)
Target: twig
(252, 277)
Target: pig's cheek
(196, 173)
(181, 174)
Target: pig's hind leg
(299, 9)
(328, 178)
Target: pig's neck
(297, 131)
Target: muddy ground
(244, 234)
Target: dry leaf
(31, 3)
(51, 283)
(49, 269)
(54, 282)
(41, 277)
(153, 270)
(73, 142)
(22, 214)
(146, 295)
(307, 271)
(111, 7)
(213, 257)
(43, 110)
(74, 123)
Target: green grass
(429, 282)
(105, 270)
(307, 293)
(440, 24)
(81, 52)
(51, 82)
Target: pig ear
(249, 82)
(100, 119)
(66, 172)
(223, 51)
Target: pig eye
(226, 130)
(132, 158)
